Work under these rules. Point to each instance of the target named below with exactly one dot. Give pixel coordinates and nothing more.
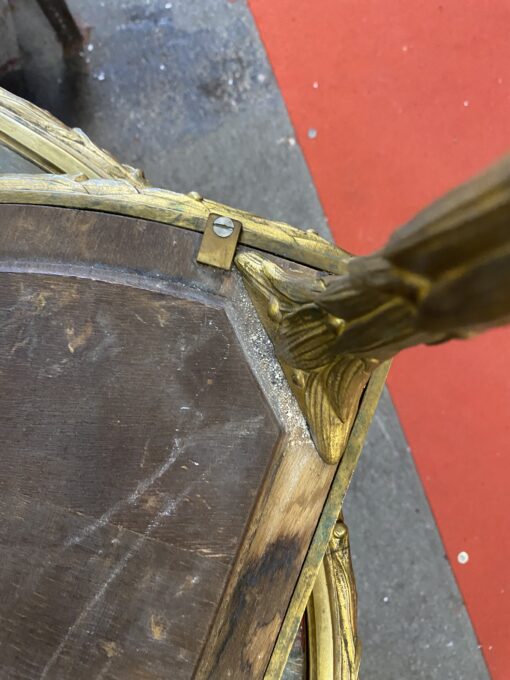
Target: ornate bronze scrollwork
(444, 275)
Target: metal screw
(223, 227)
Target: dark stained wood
(131, 466)
(153, 518)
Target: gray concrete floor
(184, 90)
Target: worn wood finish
(325, 527)
(131, 467)
(121, 550)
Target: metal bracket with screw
(219, 242)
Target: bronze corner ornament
(444, 275)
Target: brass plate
(219, 242)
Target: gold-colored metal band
(47, 142)
(334, 650)
(38, 136)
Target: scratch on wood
(140, 489)
(145, 452)
(19, 345)
(189, 582)
(140, 319)
(168, 510)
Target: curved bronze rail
(45, 141)
(334, 648)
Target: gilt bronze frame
(81, 175)
(334, 329)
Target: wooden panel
(69, 463)
(129, 467)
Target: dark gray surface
(9, 52)
(213, 120)
(10, 161)
(413, 623)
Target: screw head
(223, 227)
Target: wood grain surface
(159, 489)
(129, 468)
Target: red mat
(407, 98)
